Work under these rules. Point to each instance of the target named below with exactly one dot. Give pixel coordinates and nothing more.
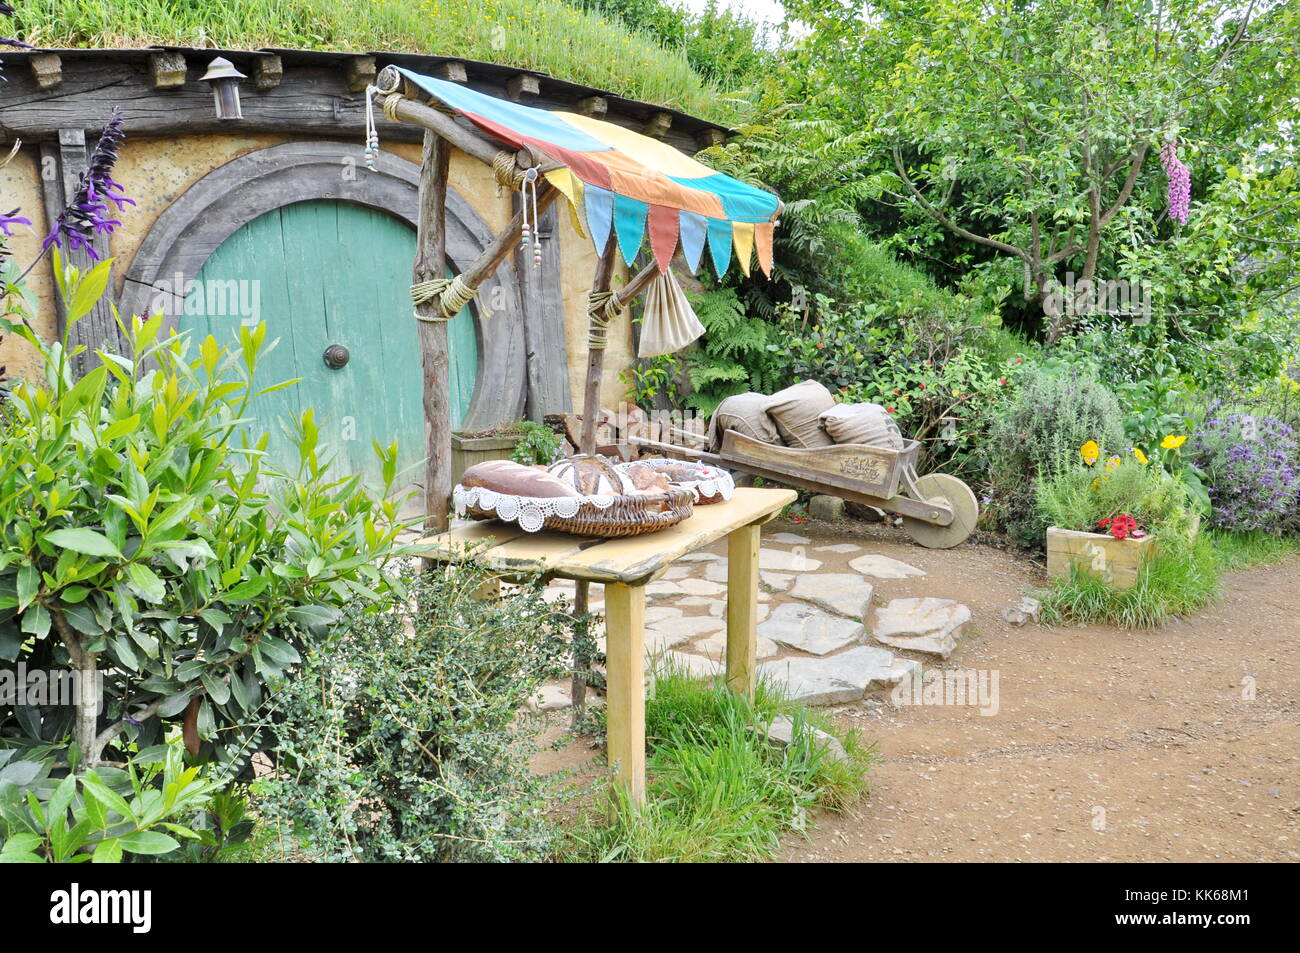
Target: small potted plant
(1107, 516)
(523, 441)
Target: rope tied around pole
(602, 308)
(451, 295)
(390, 106)
(507, 171)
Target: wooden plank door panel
(334, 273)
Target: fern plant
(738, 352)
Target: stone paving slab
(921, 625)
(715, 647)
(783, 561)
(787, 539)
(667, 589)
(841, 678)
(810, 629)
(688, 627)
(883, 567)
(843, 593)
(776, 581)
(694, 666)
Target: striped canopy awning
(621, 181)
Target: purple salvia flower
(10, 219)
(1180, 183)
(88, 212)
(7, 221)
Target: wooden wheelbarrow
(939, 511)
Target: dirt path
(1107, 745)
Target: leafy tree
(1028, 130)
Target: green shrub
(145, 539)
(717, 789)
(1037, 434)
(147, 808)
(401, 739)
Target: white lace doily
(530, 512)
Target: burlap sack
(744, 414)
(796, 411)
(668, 322)
(867, 424)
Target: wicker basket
(603, 515)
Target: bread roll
(506, 476)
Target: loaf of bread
(646, 478)
(590, 476)
(505, 476)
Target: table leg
(581, 665)
(625, 687)
(742, 608)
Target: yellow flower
(1096, 485)
(1090, 452)
(1111, 463)
(1142, 457)
(1173, 443)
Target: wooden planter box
(467, 451)
(1114, 561)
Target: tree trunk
(85, 731)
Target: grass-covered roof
(548, 36)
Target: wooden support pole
(625, 713)
(742, 608)
(462, 137)
(596, 355)
(492, 256)
(637, 284)
(587, 444)
(431, 263)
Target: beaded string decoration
(372, 133)
(528, 232)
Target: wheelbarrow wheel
(957, 496)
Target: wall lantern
(225, 81)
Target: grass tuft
(717, 789)
(1173, 582)
(1250, 550)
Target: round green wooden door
(326, 275)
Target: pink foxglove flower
(1180, 183)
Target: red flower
(1002, 380)
(1020, 360)
(922, 386)
(1120, 526)
(889, 410)
(821, 346)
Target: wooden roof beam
(524, 86)
(167, 70)
(268, 71)
(47, 69)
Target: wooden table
(625, 566)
